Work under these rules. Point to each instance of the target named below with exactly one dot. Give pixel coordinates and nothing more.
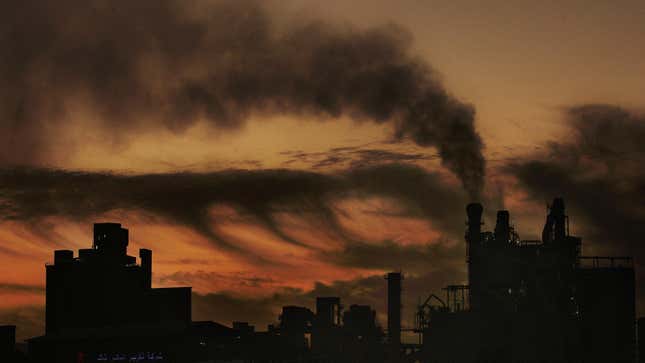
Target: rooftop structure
(532, 300)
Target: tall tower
(474, 246)
(146, 265)
(394, 311)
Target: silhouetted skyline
(525, 300)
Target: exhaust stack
(503, 228)
(394, 310)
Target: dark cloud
(389, 255)
(21, 288)
(353, 157)
(10, 251)
(238, 279)
(423, 194)
(29, 194)
(598, 169)
(167, 64)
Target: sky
(272, 151)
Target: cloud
(389, 255)
(200, 280)
(127, 67)
(353, 157)
(30, 194)
(21, 288)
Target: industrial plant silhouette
(526, 301)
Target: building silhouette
(525, 301)
(104, 287)
(100, 306)
(394, 314)
(532, 301)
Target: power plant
(525, 301)
(532, 301)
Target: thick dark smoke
(598, 169)
(137, 65)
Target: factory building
(532, 301)
(100, 306)
(104, 287)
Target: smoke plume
(598, 169)
(131, 66)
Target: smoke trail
(148, 64)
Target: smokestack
(502, 228)
(557, 210)
(555, 228)
(474, 211)
(146, 266)
(473, 243)
(394, 310)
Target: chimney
(555, 228)
(473, 252)
(474, 211)
(394, 310)
(557, 209)
(502, 228)
(146, 265)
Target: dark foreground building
(100, 307)
(532, 301)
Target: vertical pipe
(474, 212)
(146, 266)
(502, 228)
(473, 240)
(394, 309)
(557, 210)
